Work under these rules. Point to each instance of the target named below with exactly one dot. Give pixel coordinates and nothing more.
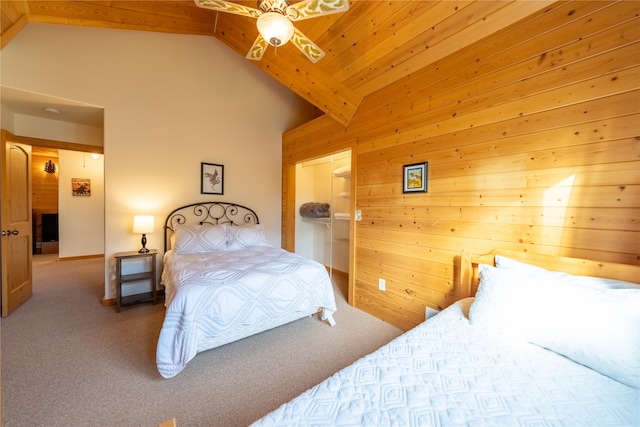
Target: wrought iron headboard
(208, 213)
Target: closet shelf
(317, 220)
(341, 216)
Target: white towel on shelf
(343, 171)
(341, 215)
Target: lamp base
(143, 250)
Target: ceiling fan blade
(257, 50)
(229, 7)
(312, 8)
(306, 46)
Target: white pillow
(599, 328)
(505, 263)
(200, 238)
(245, 236)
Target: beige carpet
(68, 361)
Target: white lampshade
(143, 224)
(275, 28)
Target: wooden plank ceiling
(373, 45)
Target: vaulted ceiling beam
(291, 68)
(13, 18)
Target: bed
(531, 347)
(224, 282)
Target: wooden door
(15, 224)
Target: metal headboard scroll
(208, 213)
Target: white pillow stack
(246, 236)
(189, 239)
(504, 263)
(595, 322)
(200, 238)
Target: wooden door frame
(25, 290)
(60, 145)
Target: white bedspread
(446, 372)
(208, 294)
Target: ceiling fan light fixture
(275, 28)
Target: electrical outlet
(430, 312)
(382, 284)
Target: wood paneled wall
(44, 190)
(532, 138)
(13, 18)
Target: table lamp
(143, 224)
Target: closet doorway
(323, 225)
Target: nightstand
(136, 268)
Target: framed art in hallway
(414, 178)
(81, 187)
(211, 178)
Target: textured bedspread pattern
(208, 294)
(448, 372)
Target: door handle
(10, 232)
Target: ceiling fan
(275, 22)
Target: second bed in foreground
(532, 348)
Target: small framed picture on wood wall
(211, 178)
(414, 178)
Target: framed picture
(211, 178)
(81, 187)
(414, 178)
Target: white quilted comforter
(446, 372)
(209, 294)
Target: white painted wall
(81, 219)
(171, 102)
(38, 127)
(312, 238)
(7, 117)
